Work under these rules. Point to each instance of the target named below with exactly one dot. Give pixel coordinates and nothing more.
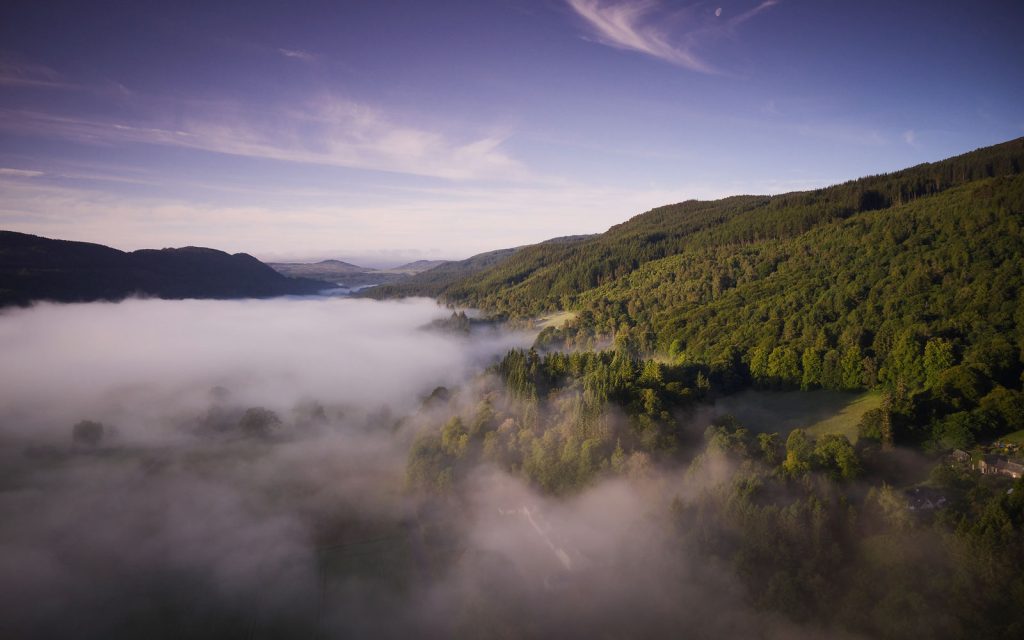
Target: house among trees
(959, 456)
(998, 465)
(925, 499)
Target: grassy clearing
(555, 319)
(820, 412)
(1017, 437)
(846, 420)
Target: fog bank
(197, 513)
(139, 362)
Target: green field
(1017, 437)
(554, 320)
(820, 412)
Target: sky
(387, 131)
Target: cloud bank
(146, 361)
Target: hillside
(872, 284)
(551, 275)
(35, 268)
(419, 266)
(840, 287)
(441, 279)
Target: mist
(136, 363)
(175, 519)
(179, 519)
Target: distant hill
(419, 266)
(333, 271)
(35, 268)
(349, 275)
(438, 280)
(433, 282)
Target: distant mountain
(349, 275)
(339, 265)
(433, 282)
(35, 268)
(419, 266)
(326, 270)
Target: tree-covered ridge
(846, 304)
(545, 277)
(549, 276)
(923, 300)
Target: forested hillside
(892, 278)
(847, 303)
(548, 276)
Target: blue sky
(392, 130)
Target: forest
(905, 286)
(908, 282)
(796, 416)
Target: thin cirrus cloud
(19, 173)
(20, 73)
(298, 54)
(449, 220)
(647, 27)
(332, 132)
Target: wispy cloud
(330, 131)
(910, 137)
(15, 72)
(451, 220)
(648, 27)
(19, 173)
(298, 54)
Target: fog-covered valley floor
(237, 469)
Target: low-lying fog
(138, 363)
(236, 469)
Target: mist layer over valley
(242, 469)
(172, 468)
(142, 364)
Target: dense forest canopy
(845, 287)
(550, 275)
(906, 285)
